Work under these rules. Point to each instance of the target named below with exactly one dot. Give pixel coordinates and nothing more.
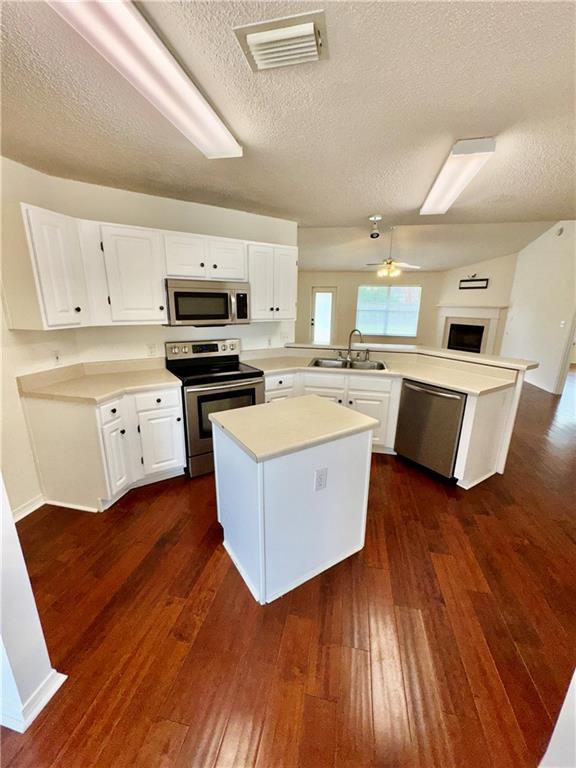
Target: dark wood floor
(448, 641)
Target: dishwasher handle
(432, 392)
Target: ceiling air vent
(283, 42)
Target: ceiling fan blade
(376, 264)
(404, 265)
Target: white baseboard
(467, 484)
(68, 505)
(29, 506)
(20, 721)
(242, 572)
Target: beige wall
(346, 284)
(500, 272)
(25, 351)
(543, 306)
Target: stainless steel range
(213, 379)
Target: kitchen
(137, 324)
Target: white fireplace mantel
(488, 316)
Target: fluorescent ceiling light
(122, 36)
(462, 164)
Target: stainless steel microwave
(207, 302)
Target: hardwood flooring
(448, 641)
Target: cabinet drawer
(369, 383)
(110, 412)
(325, 380)
(279, 381)
(159, 399)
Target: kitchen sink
(363, 365)
(368, 365)
(328, 362)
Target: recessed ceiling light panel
(283, 42)
(465, 160)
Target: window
(388, 310)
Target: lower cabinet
(161, 438)
(117, 456)
(374, 405)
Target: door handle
(213, 388)
(433, 392)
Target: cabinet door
(186, 255)
(371, 404)
(261, 275)
(226, 259)
(135, 271)
(281, 394)
(285, 283)
(58, 260)
(162, 437)
(116, 452)
(334, 395)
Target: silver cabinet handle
(433, 392)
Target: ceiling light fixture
(466, 158)
(123, 37)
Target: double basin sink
(364, 365)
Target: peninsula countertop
(274, 429)
(459, 379)
(97, 382)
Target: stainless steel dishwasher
(429, 424)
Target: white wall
(346, 284)
(26, 351)
(543, 305)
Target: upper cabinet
(134, 260)
(55, 249)
(203, 257)
(273, 272)
(84, 272)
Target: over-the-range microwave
(207, 302)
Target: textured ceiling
(429, 246)
(325, 144)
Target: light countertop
(85, 384)
(274, 429)
(471, 383)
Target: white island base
(281, 527)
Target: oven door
(203, 400)
(199, 306)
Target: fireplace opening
(465, 338)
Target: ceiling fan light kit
(389, 267)
(465, 160)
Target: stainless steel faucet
(349, 354)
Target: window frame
(387, 310)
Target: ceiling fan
(388, 267)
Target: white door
(135, 269)
(116, 451)
(261, 275)
(58, 260)
(186, 255)
(285, 283)
(323, 314)
(162, 439)
(226, 259)
(374, 404)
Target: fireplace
(465, 337)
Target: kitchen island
(292, 489)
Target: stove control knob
(232, 347)
(223, 347)
(184, 350)
(175, 350)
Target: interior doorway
(322, 317)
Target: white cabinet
(162, 439)
(134, 260)
(285, 283)
(273, 274)
(186, 255)
(117, 455)
(54, 243)
(280, 386)
(226, 259)
(374, 405)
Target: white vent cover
(283, 42)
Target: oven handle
(236, 385)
